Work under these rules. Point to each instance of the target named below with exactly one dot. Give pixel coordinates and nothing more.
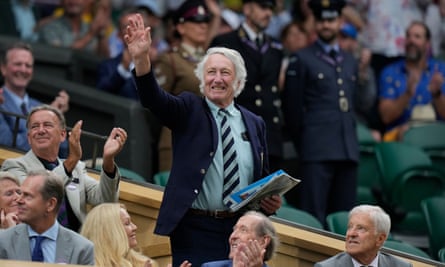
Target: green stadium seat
(434, 211)
(368, 176)
(406, 247)
(441, 254)
(407, 177)
(298, 216)
(161, 178)
(337, 222)
(429, 137)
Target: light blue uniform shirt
(48, 244)
(210, 197)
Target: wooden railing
(300, 246)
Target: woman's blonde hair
(103, 226)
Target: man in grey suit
(368, 228)
(39, 203)
(252, 242)
(46, 131)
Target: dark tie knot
(223, 112)
(333, 53)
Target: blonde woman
(110, 228)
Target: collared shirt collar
(252, 35)
(51, 233)
(374, 263)
(17, 99)
(231, 109)
(327, 47)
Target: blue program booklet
(250, 196)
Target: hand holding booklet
(250, 196)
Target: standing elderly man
(46, 131)
(39, 232)
(368, 229)
(252, 242)
(207, 166)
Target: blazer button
(211, 154)
(196, 191)
(202, 171)
(258, 102)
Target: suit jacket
(87, 191)
(111, 81)
(71, 247)
(261, 94)
(195, 138)
(22, 135)
(345, 260)
(224, 263)
(313, 90)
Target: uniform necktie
(24, 108)
(333, 54)
(231, 175)
(62, 217)
(37, 253)
(259, 42)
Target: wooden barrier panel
(300, 246)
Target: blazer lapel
(63, 247)
(21, 246)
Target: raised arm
(138, 40)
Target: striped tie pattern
(231, 175)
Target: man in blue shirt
(17, 67)
(39, 203)
(412, 89)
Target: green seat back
(298, 216)
(406, 247)
(338, 222)
(434, 211)
(129, 174)
(161, 178)
(368, 176)
(394, 158)
(428, 136)
(441, 254)
(407, 177)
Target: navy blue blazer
(111, 81)
(311, 105)
(194, 141)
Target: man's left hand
(271, 204)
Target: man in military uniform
(262, 56)
(317, 105)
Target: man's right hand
(138, 40)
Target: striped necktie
(231, 175)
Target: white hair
(235, 58)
